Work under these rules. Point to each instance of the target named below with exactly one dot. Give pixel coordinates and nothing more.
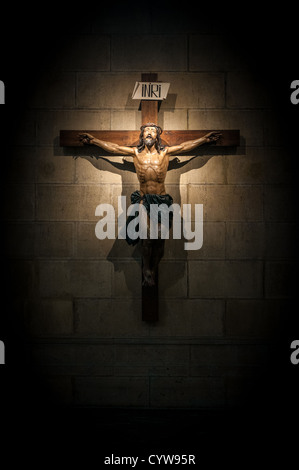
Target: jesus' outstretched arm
(192, 144)
(107, 146)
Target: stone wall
(79, 298)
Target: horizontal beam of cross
(70, 138)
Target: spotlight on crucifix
(151, 160)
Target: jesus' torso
(151, 169)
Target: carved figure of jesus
(151, 160)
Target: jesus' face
(149, 136)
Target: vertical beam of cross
(150, 294)
(149, 108)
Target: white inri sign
(150, 91)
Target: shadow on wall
(102, 161)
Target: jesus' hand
(213, 136)
(86, 138)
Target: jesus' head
(149, 136)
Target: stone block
(50, 123)
(24, 129)
(275, 130)
(19, 168)
(213, 53)
(99, 170)
(59, 389)
(53, 359)
(19, 202)
(94, 359)
(173, 370)
(107, 91)
(227, 360)
(20, 279)
(152, 354)
(227, 203)
(249, 122)
(19, 240)
(84, 52)
(195, 90)
(128, 52)
(187, 392)
(50, 356)
(184, 21)
(55, 89)
(214, 241)
(121, 20)
(152, 360)
(49, 317)
(53, 169)
(68, 279)
(252, 318)
(245, 240)
(126, 279)
(211, 354)
(241, 390)
(280, 279)
(109, 318)
(67, 202)
(248, 168)
(112, 391)
(216, 279)
(59, 202)
(279, 166)
(173, 119)
(88, 245)
(54, 280)
(245, 91)
(279, 203)
(173, 279)
(281, 240)
(174, 249)
(128, 120)
(90, 278)
(121, 251)
(86, 359)
(189, 318)
(54, 240)
(203, 169)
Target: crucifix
(150, 153)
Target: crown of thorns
(151, 124)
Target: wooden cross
(149, 110)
